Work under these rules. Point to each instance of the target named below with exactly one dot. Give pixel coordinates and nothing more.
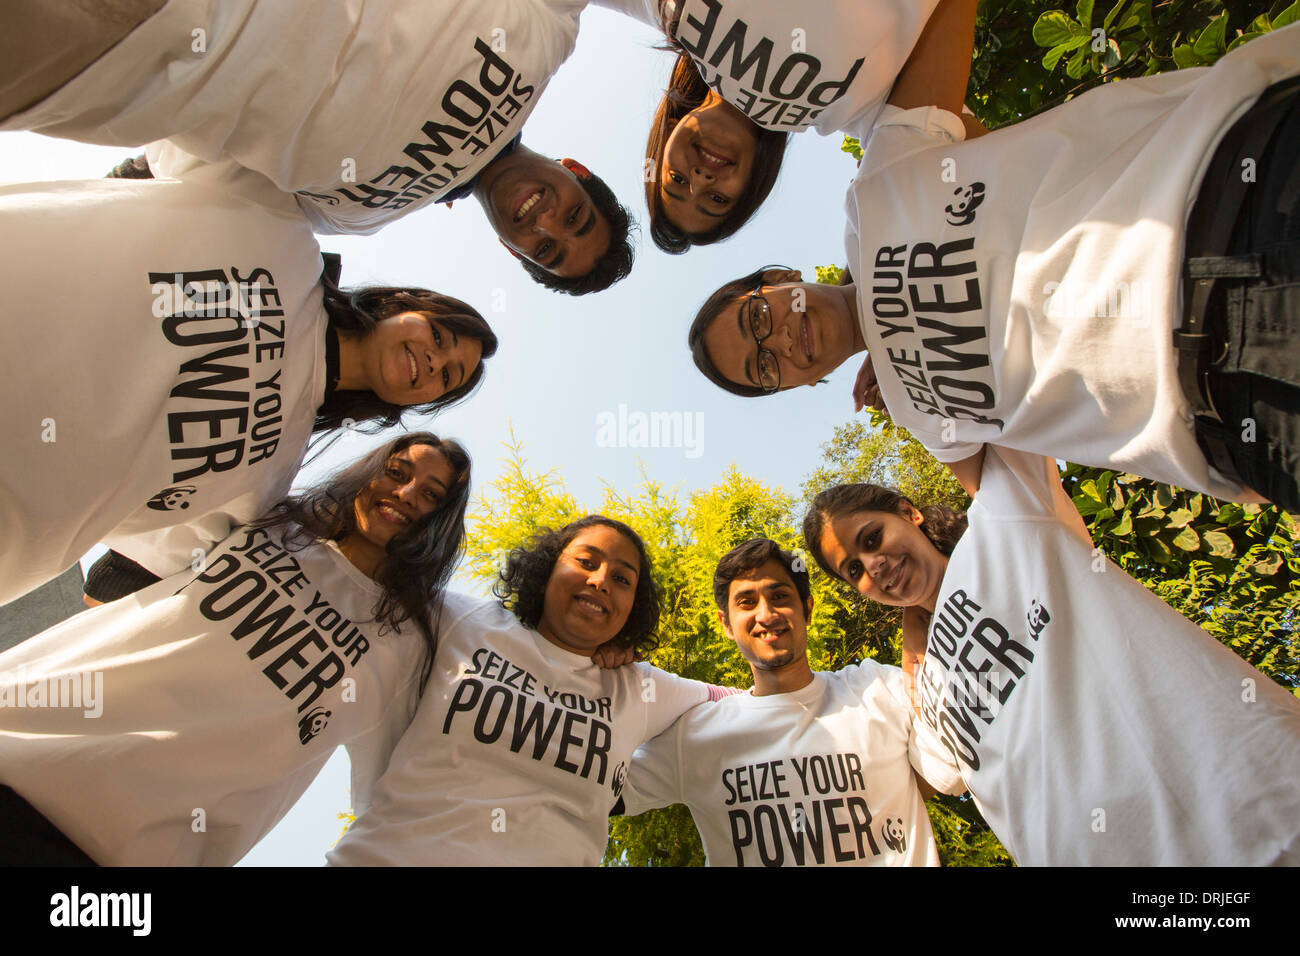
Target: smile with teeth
(590, 604)
(413, 366)
(526, 206)
(898, 573)
(392, 514)
(711, 158)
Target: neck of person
(352, 370)
(786, 679)
(850, 294)
(365, 556)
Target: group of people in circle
(1100, 282)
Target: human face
(541, 212)
(706, 165)
(886, 557)
(812, 332)
(591, 590)
(766, 618)
(412, 358)
(413, 483)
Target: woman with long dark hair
(177, 725)
(521, 743)
(162, 375)
(749, 73)
(1094, 724)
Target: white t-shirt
(825, 65)
(821, 775)
(1021, 289)
(365, 110)
(195, 713)
(1094, 724)
(517, 753)
(125, 419)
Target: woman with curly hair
(521, 743)
(1094, 724)
(178, 725)
(750, 72)
(163, 374)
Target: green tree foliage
(1030, 55)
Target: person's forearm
(938, 69)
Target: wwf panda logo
(620, 778)
(894, 835)
(961, 211)
(169, 499)
(313, 724)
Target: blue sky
(566, 362)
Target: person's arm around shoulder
(654, 776)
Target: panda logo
(313, 724)
(961, 211)
(893, 834)
(169, 499)
(620, 778)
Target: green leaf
(1055, 27)
(1114, 12)
(1143, 10)
(1268, 566)
(1209, 46)
(1125, 525)
(1164, 496)
(1221, 545)
(1159, 550)
(1185, 57)
(1194, 503)
(1053, 56)
(1290, 15)
(1074, 67)
(1083, 9)
(1088, 488)
(852, 147)
(1188, 540)
(1180, 518)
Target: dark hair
(724, 296)
(522, 585)
(136, 167)
(419, 560)
(614, 265)
(751, 555)
(687, 90)
(943, 526)
(358, 311)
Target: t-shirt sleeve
(667, 697)
(654, 776)
(371, 751)
(1019, 484)
(926, 752)
(899, 133)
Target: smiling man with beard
(807, 768)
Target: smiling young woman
(1082, 709)
(165, 382)
(750, 72)
(210, 701)
(521, 743)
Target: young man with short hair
(807, 768)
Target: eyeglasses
(758, 313)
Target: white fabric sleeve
(926, 752)
(371, 751)
(654, 777)
(899, 133)
(667, 697)
(1017, 484)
